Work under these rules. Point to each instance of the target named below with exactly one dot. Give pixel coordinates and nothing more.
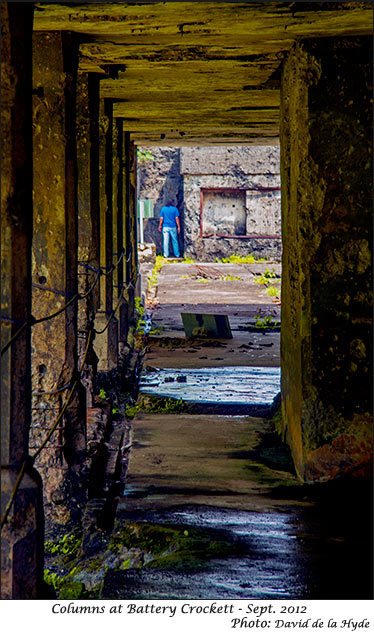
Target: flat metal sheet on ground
(232, 385)
(206, 325)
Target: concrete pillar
(88, 220)
(120, 212)
(131, 226)
(326, 172)
(54, 271)
(22, 532)
(106, 324)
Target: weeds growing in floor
(239, 259)
(155, 405)
(267, 322)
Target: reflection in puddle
(233, 385)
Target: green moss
(169, 545)
(153, 275)
(69, 546)
(72, 590)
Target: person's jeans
(173, 233)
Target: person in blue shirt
(170, 228)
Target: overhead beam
(140, 57)
(269, 26)
(190, 77)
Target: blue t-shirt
(169, 213)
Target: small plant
(272, 291)
(139, 307)
(156, 405)
(267, 322)
(52, 579)
(103, 395)
(143, 155)
(187, 260)
(153, 275)
(230, 277)
(269, 276)
(139, 313)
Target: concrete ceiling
(197, 72)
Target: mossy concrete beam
(326, 171)
(268, 27)
(206, 63)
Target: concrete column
(131, 226)
(54, 271)
(119, 204)
(22, 532)
(326, 172)
(88, 219)
(106, 343)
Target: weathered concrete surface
(22, 532)
(16, 231)
(168, 346)
(88, 219)
(106, 341)
(179, 459)
(230, 161)
(163, 62)
(206, 183)
(230, 477)
(54, 269)
(327, 282)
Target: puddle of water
(268, 566)
(232, 385)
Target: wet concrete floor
(235, 385)
(232, 478)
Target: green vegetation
(169, 545)
(273, 291)
(139, 313)
(153, 275)
(230, 277)
(269, 276)
(52, 579)
(187, 260)
(155, 405)
(103, 395)
(68, 546)
(240, 259)
(143, 155)
(268, 322)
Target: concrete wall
(217, 172)
(326, 132)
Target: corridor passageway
(213, 484)
(84, 87)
